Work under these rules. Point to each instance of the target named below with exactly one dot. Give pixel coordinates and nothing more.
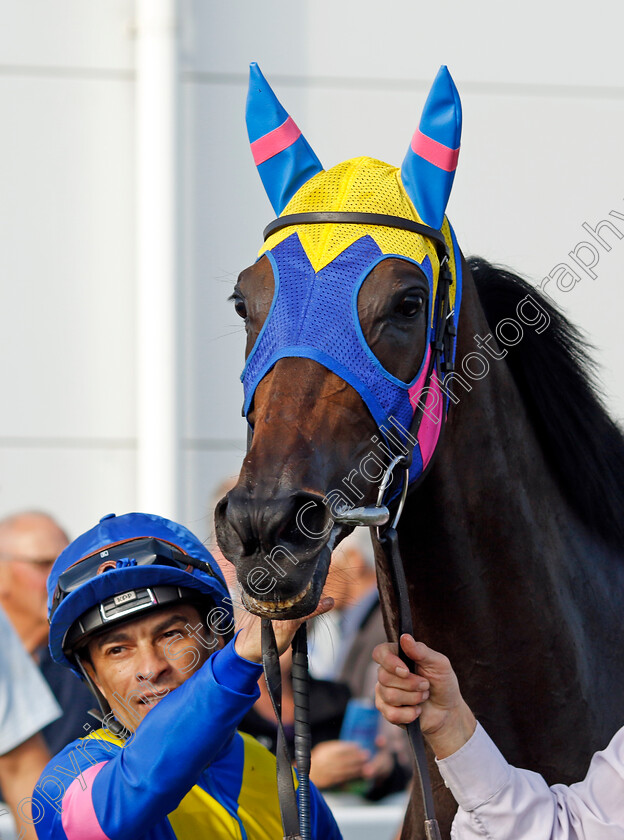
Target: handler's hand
(248, 642)
(432, 694)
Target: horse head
(350, 313)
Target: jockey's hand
(431, 694)
(248, 643)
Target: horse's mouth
(296, 606)
(272, 609)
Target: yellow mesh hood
(359, 185)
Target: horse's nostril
(311, 519)
(251, 546)
(297, 521)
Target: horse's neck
(489, 506)
(494, 558)
(490, 491)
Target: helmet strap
(105, 714)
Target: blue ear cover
(429, 166)
(283, 156)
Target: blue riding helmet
(122, 567)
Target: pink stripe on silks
(79, 819)
(436, 153)
(275, 141)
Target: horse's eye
(239, 306)
(410, 306)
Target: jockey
(139, 610)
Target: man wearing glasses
(30, 541)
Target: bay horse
(511, 536)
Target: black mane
(557, 379)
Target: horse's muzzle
(279, 548)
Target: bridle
(296, 820)
(343, 218)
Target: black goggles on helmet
(143, 551)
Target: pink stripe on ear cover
(275, 141)
(434, 152)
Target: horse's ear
(429, 166)
(283, 156)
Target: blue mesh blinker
(314, 316)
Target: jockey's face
(138, 663)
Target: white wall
(66, 258)
(542, 86)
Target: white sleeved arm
(27, 704)
(500, 802)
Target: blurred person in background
(26, 706)
(229, 572)
(30, 542)
(362, 623)
(352, 583)
(361, 630)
